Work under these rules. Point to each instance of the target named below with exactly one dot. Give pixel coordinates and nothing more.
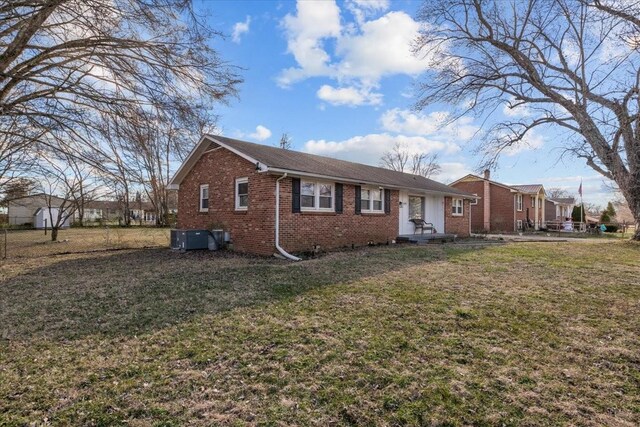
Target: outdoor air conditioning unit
(187, 240)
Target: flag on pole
(580, 189)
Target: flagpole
(582, 228)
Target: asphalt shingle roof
(564, 200)
(529, 189)
(297, 161)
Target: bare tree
(58, 184)
(285, 142)
(558, 193)
(64, 63)
(574, 65)
(400, 159)
(146, 145)
(85, 189)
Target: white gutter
(278, 247)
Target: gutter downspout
(515, 220)
(278, 247)
(469, 217)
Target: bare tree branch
(553, 57)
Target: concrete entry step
(423, 239)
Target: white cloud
(369, 148)
(365, 51)
(451, 171)
(531, 141)
(382, 47)
(431, 124)
(363, 8)
(239, 29)
(314, 21)
(595, 188)
(372, 5)
(350, 96)
(515, 109)
(260, 134)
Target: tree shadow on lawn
(133, 292)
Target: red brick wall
(501, 210)
(254, 230)
(456, 224)
(251, 230)
(301, 231)
(502, 204)
(550, 211)
(477, 210)
(520, 215)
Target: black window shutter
(295, 195)
(358, 195)
(387, 201)
(338, 197)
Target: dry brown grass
(34, 243)
(519, 334)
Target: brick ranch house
(502, 207)
(234, 185)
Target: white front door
(404, 226)
(434, 211)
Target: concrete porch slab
(426, 238)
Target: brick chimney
(486, 199)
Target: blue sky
(338, 78)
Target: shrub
(611, 228)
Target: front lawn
(514, 334)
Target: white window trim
(533, 202)
(202, 188)
(316, 196)
(454, 204)
(474, 201)
(519, 202)
(371, 210)
(239, 181)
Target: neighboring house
(33, 210)
(534, 203)
(502, 207)
(559, 209)
(325, 202)
(112, 210)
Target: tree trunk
(54, 234)
(630, 189)
(635, 210)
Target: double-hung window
(519, 202)
(533, 202)
(457, 207)
(204, 198)
(316, 196)
(242, 194)
(371, 200)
